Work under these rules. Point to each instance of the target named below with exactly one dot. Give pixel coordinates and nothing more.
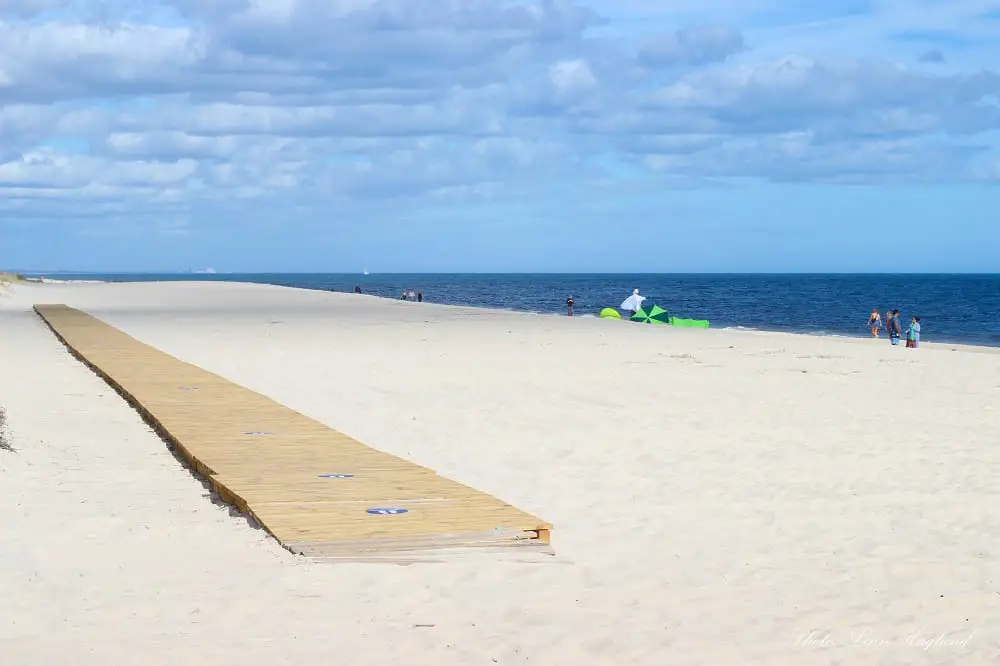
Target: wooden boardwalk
(317, 491)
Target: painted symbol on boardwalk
(336, 476)
(389, 510)
(189, 388)
(258, 433)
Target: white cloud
(30, 8)
(48, 169)
(58, 61)
(700, 45)
(572, 78)
(152, 106)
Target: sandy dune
(719, 497)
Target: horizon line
(42, 273)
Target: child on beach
(874, 322)
(913, 333)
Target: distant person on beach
(875, 322)
(632, 304)
(892, 324)
(569, 306)
(357, 289)
(913, 333)
(413, 296)
(420, 297)
(403, 296)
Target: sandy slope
(719, 497)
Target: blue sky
(493, 135)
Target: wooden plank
(280, 466)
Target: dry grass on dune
(4, 433)
(7, 279)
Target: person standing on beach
(420, 297)
(913, 333)
(413, 296)
(892, 324)
(569, 306)
(632, 304)
(874, 322)
(357, 289)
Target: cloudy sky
(500, 135)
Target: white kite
(634, 302)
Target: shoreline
(954, 344)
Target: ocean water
(952, 308)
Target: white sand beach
(719, 497)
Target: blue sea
(952, 308)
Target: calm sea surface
(952, 308)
